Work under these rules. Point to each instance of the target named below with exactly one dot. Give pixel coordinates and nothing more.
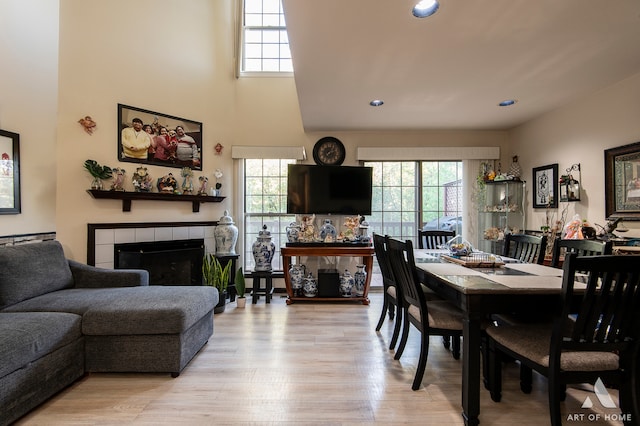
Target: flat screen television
(329, 189)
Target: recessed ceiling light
(508, 102)
(376, 102)
(425, 8)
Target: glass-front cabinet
(501, 211)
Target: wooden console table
(361, 251)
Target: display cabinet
(501, 210)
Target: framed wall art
(9, 172)
(150, 137)
(622, 182)
(545, 181)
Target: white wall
(28, 106)
(579, 133)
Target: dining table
(482, 284)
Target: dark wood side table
(224, 259)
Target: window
(411, 194)
(265, 46)
(265, 203)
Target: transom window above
(265, 46)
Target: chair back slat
(581, 247)
(609, 310)
(433, 239)
(525, 248)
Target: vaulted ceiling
(451, 70)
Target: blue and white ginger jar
(263, 249)
(346, 284)
(310, 287)
(296, 277)
(226, 235)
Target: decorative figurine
(142, 182)
(167, 184)
(187, 184)
(118, 179)
(204, 181)
(88, 124)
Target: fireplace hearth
(176, 262)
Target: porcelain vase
(346, 284)
(226, 235)
(263, 249)
(296, 277)
(310, 287)
(359, 278)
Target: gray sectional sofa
(60, 319)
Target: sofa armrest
(87, 276)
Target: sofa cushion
(29, 270)
(150, 310)
(28, 336)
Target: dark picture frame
(168, 151)
(9, 172)
(622, 182)
(545, 186)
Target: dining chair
(581, 247)
(433, 318)
(525, 248)
(390, 299)
(594, 338)
(433, 239)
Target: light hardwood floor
(307, 363)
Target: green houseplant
(240, 288)
(216, 275)
(98, 172)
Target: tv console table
(366, 252)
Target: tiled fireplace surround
(101, 237)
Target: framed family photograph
(150, 137)
(9, 172)
(622, 182)
(545, 182)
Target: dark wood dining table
(511, 287)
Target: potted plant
(98, 173)
(216, 275)
(240, 288)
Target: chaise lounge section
(60, 319)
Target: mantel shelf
(127, 197)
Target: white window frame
(242, 43)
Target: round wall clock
(329, 151)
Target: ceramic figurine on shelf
(118, 179)
(142, 182)
(308, 229)
(187, 183)
(167, 184)
(204, 181)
